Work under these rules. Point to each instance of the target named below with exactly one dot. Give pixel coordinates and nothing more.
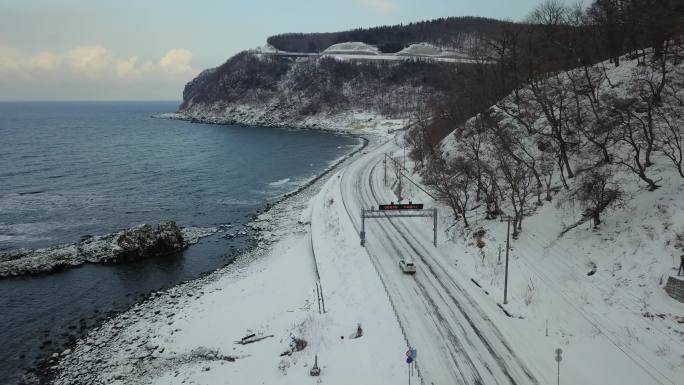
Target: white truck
(407, 266)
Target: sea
(69, 170)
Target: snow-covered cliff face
(313, 92)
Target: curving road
(456, 341)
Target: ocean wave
(279, 182)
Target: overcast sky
(148, 49)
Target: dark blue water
(74, 169)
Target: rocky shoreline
(251, 116)
(141, 242)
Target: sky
(149, 49)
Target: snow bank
(352, 48)
(420, 49)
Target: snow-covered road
(457, 342)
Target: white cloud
(380, 6)
(177, 61)
(128, 68)
(93, 63)
(44, 61)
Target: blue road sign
(409, 360)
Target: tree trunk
(564, 156)
(597, 218)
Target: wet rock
(145, 241)
(148, 241)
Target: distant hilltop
(316, 80)
(451, 32)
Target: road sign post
(401, 206)
(508, 238)
(409, 360)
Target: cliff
(253, 88)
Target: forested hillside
(452, 32)
(572, 121)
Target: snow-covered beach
(268, 292)
(67, 208)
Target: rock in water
(141, 242)
(148, 241)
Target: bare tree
(671, 116)
(547, 168)
(518, 145)
(672, 134)
(597, 192)
(631, 133)
(550, 13)
(586, 84)
(472, 140)
(552, 96)
(451, 180)
(610, 14)
(419, 137)
(519, 182)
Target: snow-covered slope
(598, 291)
(352, 48)
(420, 49)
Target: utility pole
(384, 164)
(363, 227)
(434, 227)
(559, 358)
(404, 156)
(508, 239)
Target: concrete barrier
(675, 288)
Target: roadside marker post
(559, 358)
